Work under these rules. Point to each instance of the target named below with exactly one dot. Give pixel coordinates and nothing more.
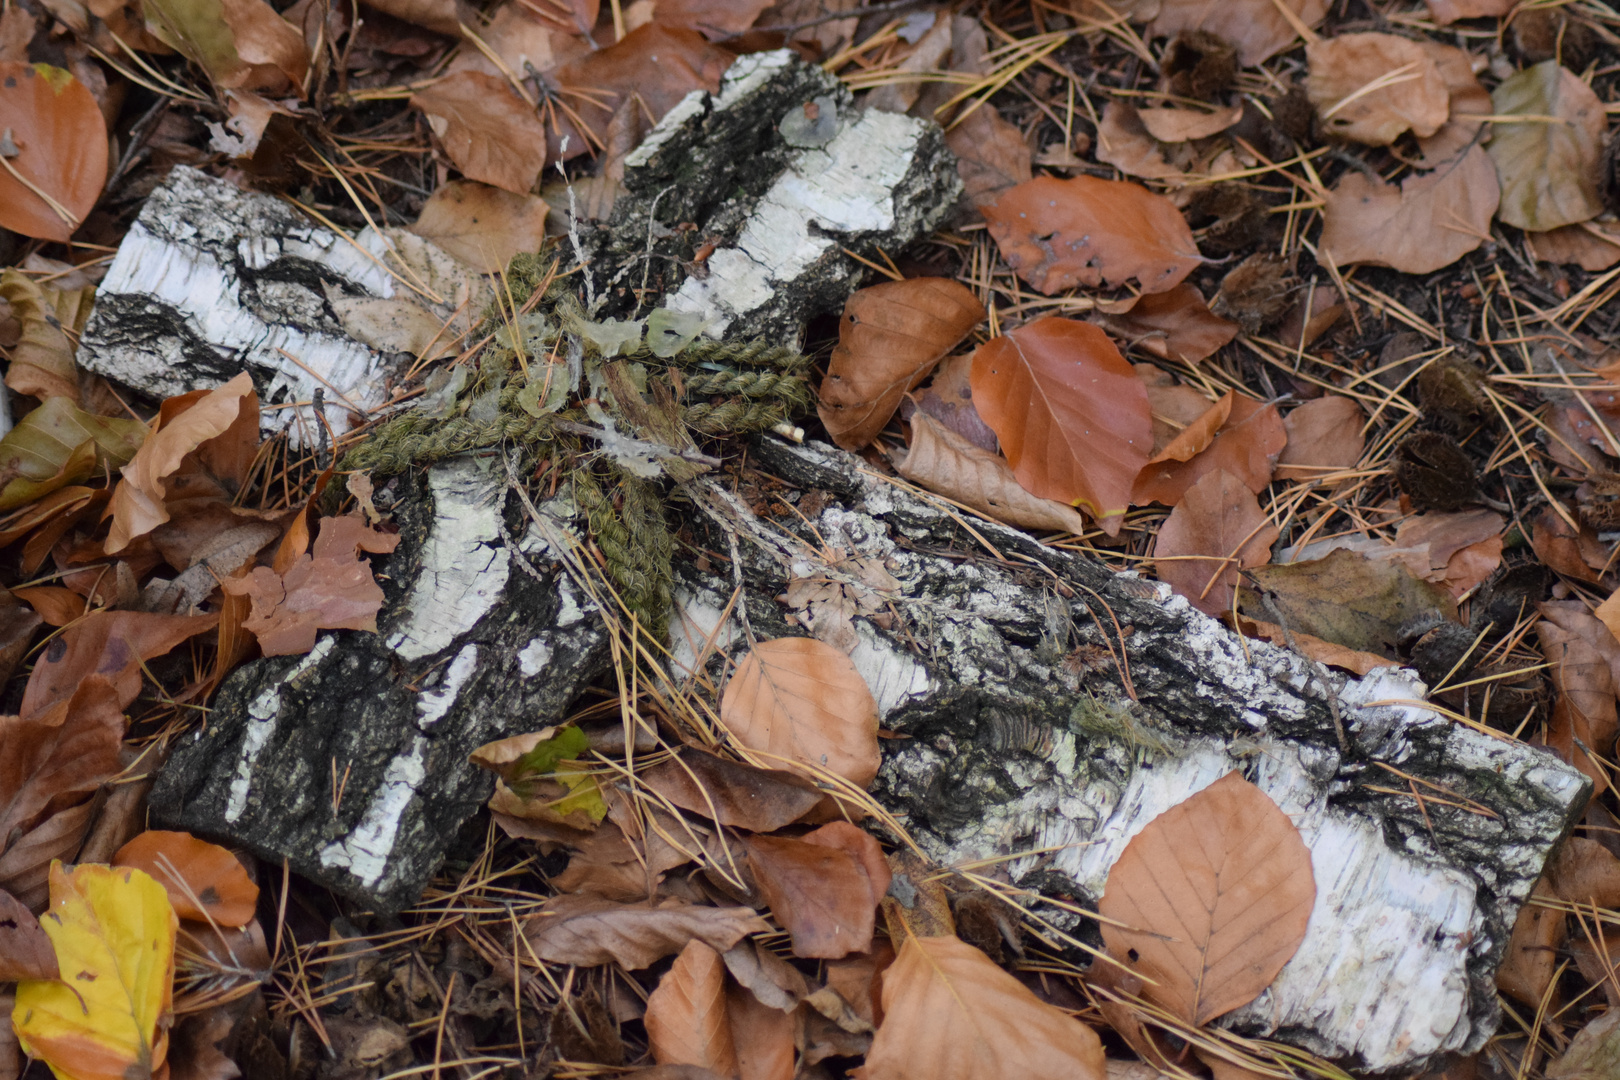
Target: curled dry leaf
(1215, 530)
(732, 793)
(589, 930)
(25, 950)
(1469, 103)
(1072, 416)
(948, 398)
(1057, 234)
(137, 505)
(1350, 600)
(1237, 434)
(332, 588)
(483, 226)
(114, 930)
(1182, 125)
(1124, 142)
(1430, 221)
(1217, 892)
(272, 50)
(58, 444)
(1324, 436)
(942, 461)
(1174, 325)
(823, 888)
(1258, 28)
(1591, 245)
(949, 1013)
(490, 134)
(1371, 88)
(42, 361)
(204, 881)
(1548, 169)
(800, 701)
(889, 339)
(105, 644)
(686, 1018)
(60, 139)
(991, 154)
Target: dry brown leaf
(926, 56)
(1446, 12)
(1548, 170)
(1586, 872)
(1560, 547)
(1174, 405)
(482, 226)
(1182, 125)
(1324, 436)
(889, 339)
(1430, 221)
(772, 980)
(821, 895)
(1590, 245)
(764, 1037)
(1469, 102)
(137, 505)
(1218, 517)
(732, 793)
(272, 50)
(1585, 661)
(522, 38)
(1237, 434)
(949, 1013)
(204, 881)
(1348, 599)
(1124, 142)
(1258, 28)
(799, 701)
(1594, 1052)
(1072, 416)
(948, 398)
(942, 461)
(1218, 890)
(1532, 953)
(487, 130)
(440, 16)
(1174, 325)
(991, 154)
(589, 930)
(25, 951)
(1371, 88)
(330, 589)
(1323, 652)
(1056, 234)
(717, 18)
(57, 147)
(686, 1018)
(42, 360)
(109, 644)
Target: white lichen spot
(365, 851)
(533, 657)
(570, 610)
(464, 567)
(696, 630)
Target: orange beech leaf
(1174, 325)
(1430, 221)
(25, 950)
(1353, 83)
(1217, 891)
(490, 133)
(483, 226)
(861, 845)
(1323, 652)
(686, 1018)
(801, 701)
(1071, 414)
(732, 793)
(821, 895)
(204, 881)
(114, 930)
(55, 605)
(1532, 954)
(949, 1013)
(60, 139)
(137, 505)
(1237, 434)
(588, 930)
(1324, 436)
(889, 339)
(658, 64)
(717, 17)
(330, 588)
(108, 643)
(1220, 521)
(1057, 234)
(943, 461)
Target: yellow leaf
(107, 1017)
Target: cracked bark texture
(1011, 674)
(782, 173)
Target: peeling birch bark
(212, 280)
